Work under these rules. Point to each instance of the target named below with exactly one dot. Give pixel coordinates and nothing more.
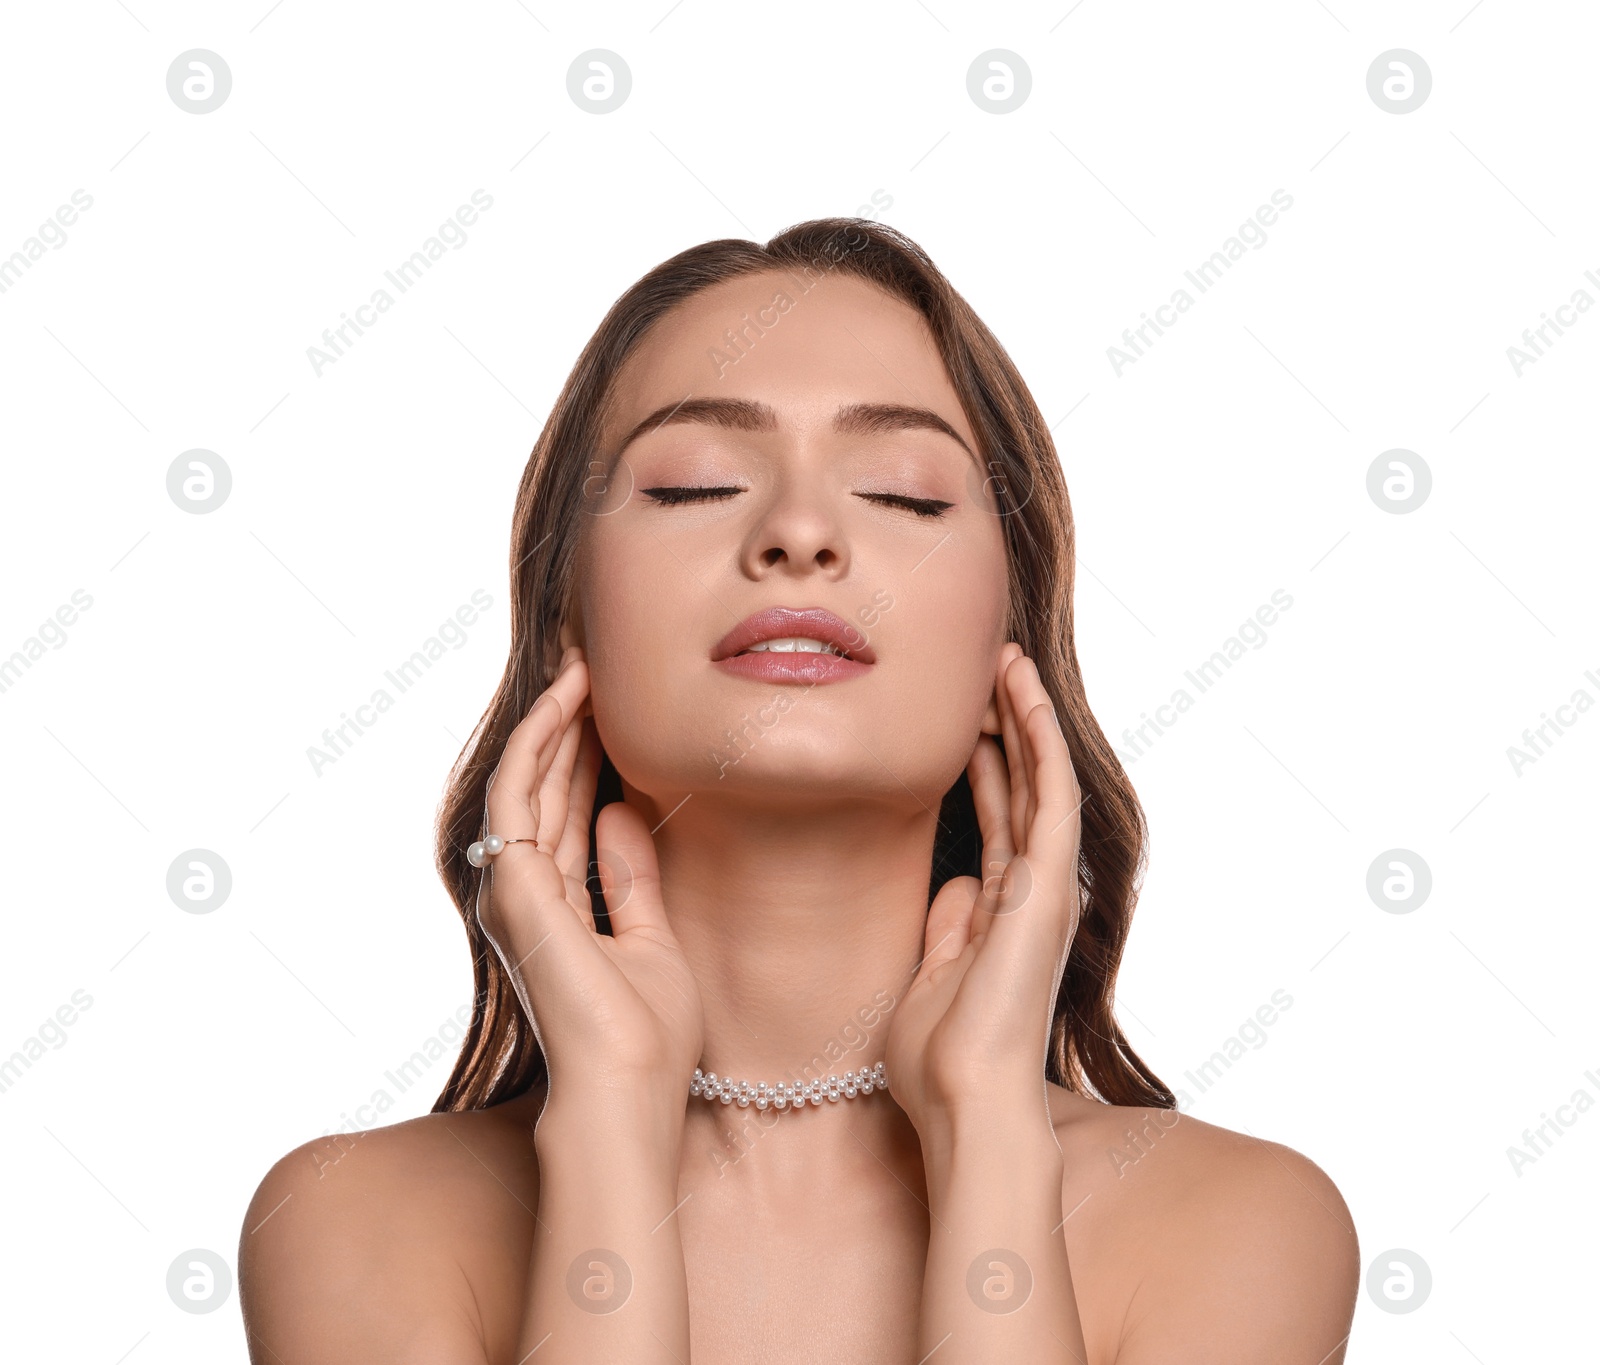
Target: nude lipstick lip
(807, 623)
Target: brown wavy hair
(500, 1057)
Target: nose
(799, 532)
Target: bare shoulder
(1225, 1247)
(382, 1245)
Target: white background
(370, 501)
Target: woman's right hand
(612, 1013)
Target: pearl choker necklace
(852, 1083)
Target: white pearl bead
(475, 854)
(788, 1095)
(493, 844)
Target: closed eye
(672, 496)
(923, 507)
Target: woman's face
(814, 431)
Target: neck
(802, 927)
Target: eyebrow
(743, 414)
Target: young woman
(792, 670)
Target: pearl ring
(491, 844)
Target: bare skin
(1209, 1239)
(762, 901)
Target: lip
(811, 623)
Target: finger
(1012, 736)
(1016, 760)
(1054, 837)
(949, 927)
(990, 784)
(1033, 925)
(572, 849)
(559, 805)
(542, 930)
(568, 691)
(630, 877)
(523, 896)
(1027, 691)
(1052, 781)
(554, 795)
(513, 789)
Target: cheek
(619, 611)
(641, 634)
(946, 629)
(955, 613)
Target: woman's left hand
(971, 1034)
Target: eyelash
(673, 496)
